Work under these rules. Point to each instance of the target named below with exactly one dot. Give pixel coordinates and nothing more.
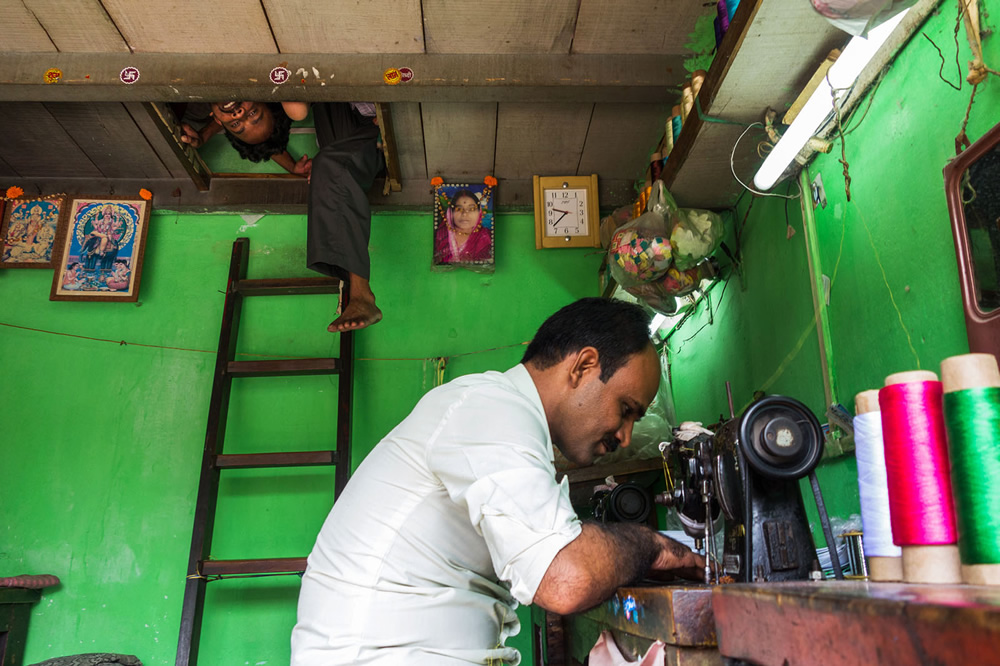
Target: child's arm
(296, 110)
(300, 168)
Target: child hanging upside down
(343, 170)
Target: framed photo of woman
(30, 232)
(463, 226)
(102, 250)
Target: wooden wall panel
(21, 30)
(499, 26)
(541, 139)
(47, 150)
(621, 137)
(80, 26)
(407, 126)
(110, 138)
(192, 26)
(460, 140)
(638, 26)
(373, 26)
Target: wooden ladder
(200, 569)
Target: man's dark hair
(616, 329)
(276, 143)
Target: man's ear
(584, 362)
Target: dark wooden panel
(459, 140)
(799, 624)
(153, 135)
(541, 139)
(621, 138)
(674, 614)
(110, 138)
(288, 286)
(409, 129)
(34, 144)
(511, 26)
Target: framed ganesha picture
(30, 232)
(101, 254)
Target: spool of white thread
(884, 557)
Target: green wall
(895, 303)
(102, 442)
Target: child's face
(250, 122)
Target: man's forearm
(591, 567)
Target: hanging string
(972, 418)
(873, 486)
(916, 458)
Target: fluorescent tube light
(842, 74)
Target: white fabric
(450, 521)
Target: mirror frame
(983, 328)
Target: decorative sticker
(279, 75)
(52, 75)
(129, 75)
(405, 74)
(392, 76)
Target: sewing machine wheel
(781, 438)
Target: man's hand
(190, 136)
(676, 558)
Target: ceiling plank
(22, 31)
(192, 26)
(499, 26)
(57, 156)
(541, 139)
(621, 137)
(459, 139)
(6, 170)
(409, 129)
(110, 138)
(178, 77)
(638, 26)
(306, 26)
(288, 195)
(78, 26)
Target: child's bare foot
(358, 314)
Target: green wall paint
(889, 253)
(100, 465)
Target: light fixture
(842, 75)
(658, 320)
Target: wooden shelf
(766, 58)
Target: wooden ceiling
(511, 88)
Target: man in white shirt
(456, 516)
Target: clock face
(566, 212)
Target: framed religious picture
(30, 230)
(101, 254)
(463, 225)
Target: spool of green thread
(971, 385)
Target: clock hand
(564, 214)
(560, 211)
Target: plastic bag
(640, 251)
(610, 223)
(696, 235)
(661, 294)
(857, 17)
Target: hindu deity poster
(102, 250)
(29, 232)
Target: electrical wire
(732, 168)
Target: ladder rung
(288, 286)
(273, 565)
(290, 459)
(284, 367)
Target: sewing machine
(748, 471)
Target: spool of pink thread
(916, 458)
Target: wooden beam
(286, 195)
(392, 181)
(181, 77)
(166, 123)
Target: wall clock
(566, 213)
